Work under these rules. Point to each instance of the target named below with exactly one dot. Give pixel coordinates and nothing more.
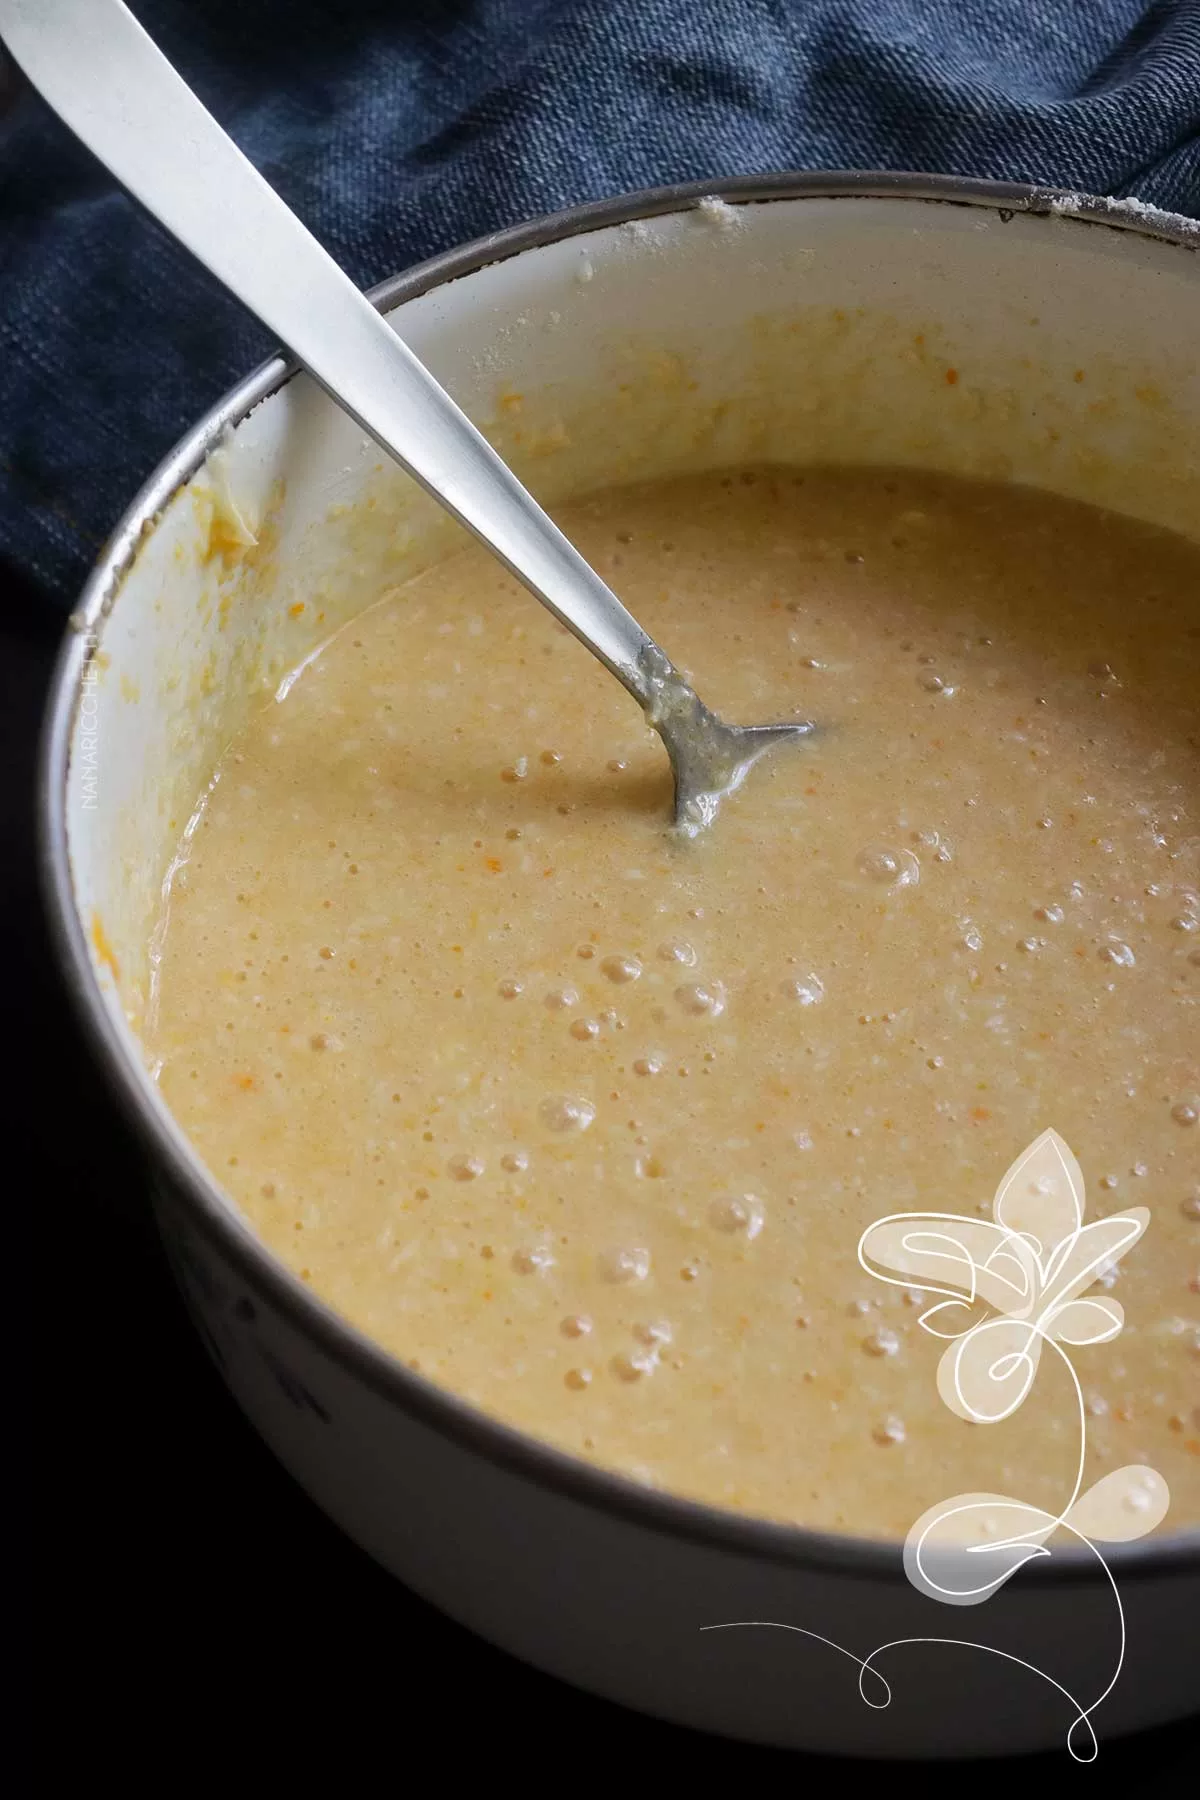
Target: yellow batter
(585, 1123)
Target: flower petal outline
(950, 1255)
(1080, 1322)
(1077, 1261)
(1041, 1196)
(1122, 1506)
(986, 1374)
(963, 1550)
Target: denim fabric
(399, 129)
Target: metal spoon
(96, 67)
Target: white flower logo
(1009, 1286)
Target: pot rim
(439, 1409)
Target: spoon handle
(104, 77)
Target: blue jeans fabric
(399, 129)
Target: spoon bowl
(709, 759)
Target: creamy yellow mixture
(585, 1123)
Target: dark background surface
(201, 1619)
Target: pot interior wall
(1042, 350)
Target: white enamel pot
(1007, 332)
